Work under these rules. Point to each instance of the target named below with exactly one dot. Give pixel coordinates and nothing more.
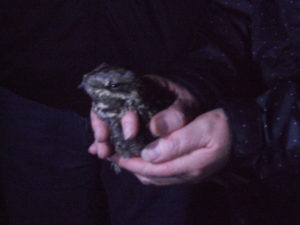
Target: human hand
(190, 154)
(183, 110)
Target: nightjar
(114, 91)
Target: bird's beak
(81, 85)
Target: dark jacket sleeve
(266, 129)
(246, 57)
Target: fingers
(100, 129)
(161, 181)
(173, 118)
(190, 154)
(130, 124)
(210, 127)
(182, 168)
(177, 144)
(184, 108)
(170, 120)
(139, 166)
(100, 147)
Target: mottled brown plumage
(114, 91)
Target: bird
(114, 91)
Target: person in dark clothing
(238, 59)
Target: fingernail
(149, 155)
(127, 130)
(162, 127)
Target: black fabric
(47, 176)
(134, 203)
(257, 83)
(46, 47)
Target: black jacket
(243, 56)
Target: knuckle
(166, 170)
(145, 170)
(215, 146)
(166, 145)
(179, 117)
(170, 146)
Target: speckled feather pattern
(114, 91)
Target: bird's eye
(114, 85)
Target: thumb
(170, 119)
(179, 143)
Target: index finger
(100, 129)
(170, 119)
(130, 124)
(139, 166)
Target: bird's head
(110, 82)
